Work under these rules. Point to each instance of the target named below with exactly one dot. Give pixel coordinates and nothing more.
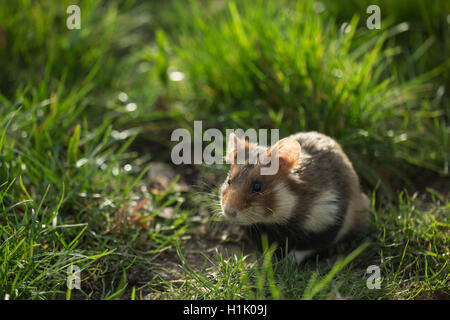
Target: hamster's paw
(300, 255)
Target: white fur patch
(299, 256)
(286, 202)
(250, 216)
(323, 212)
(356, 209)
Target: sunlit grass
(85, 113)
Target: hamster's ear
(234, 144)
(288, 151)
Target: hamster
(312, 201)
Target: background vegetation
(85, 123)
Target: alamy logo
(374, 280)
(73, 277)
(374, 20)
(74, 20)
(213, 152)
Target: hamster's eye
(256, 187)
(229, 181)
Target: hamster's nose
(230, 211)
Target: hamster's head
(247, 196)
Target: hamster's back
(323, 164)
(328, 171)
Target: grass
(408, 244)
(302, 73)
(86, 117)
